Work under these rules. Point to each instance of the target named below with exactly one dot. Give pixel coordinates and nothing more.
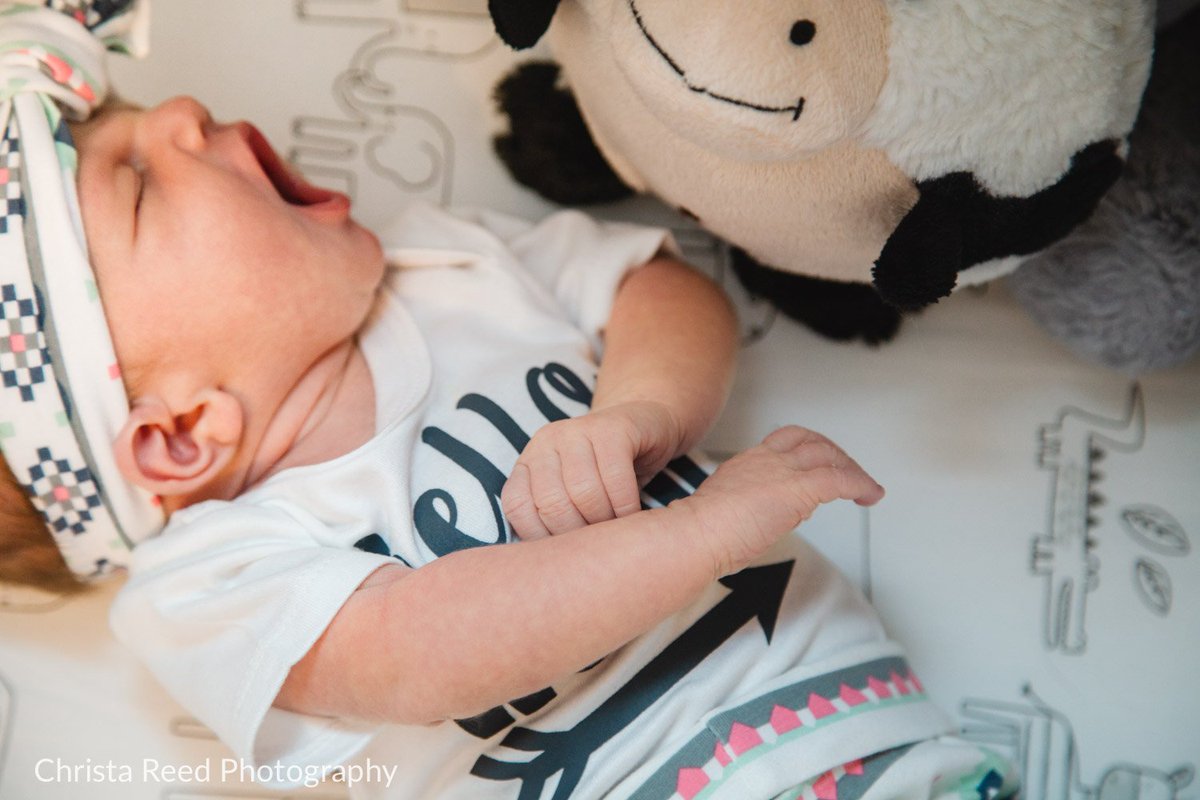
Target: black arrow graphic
(754, 593)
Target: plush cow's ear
(521, 23)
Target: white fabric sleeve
(579, 259)
(223, 603)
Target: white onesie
(778, 677)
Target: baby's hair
(28, 554)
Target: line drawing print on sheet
(399, 150)
(7, 703)
(16, 599)
(408, 157)
(240, 794)
(1071, 448)
(1154, 529)
(441, 29)
(185, 727)
(1040, 740)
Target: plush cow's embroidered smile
(794, 110)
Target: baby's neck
(329, 412)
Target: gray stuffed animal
(1124, 288)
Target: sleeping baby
(386, 503)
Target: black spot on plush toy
(864, 157)
(1124, 288)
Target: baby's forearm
(479, 627)
(482, 626)
(672, 339)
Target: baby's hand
(763, 493)
(589, 469)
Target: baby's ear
(178, 451)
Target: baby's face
(207, 248)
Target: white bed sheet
(1073, 648)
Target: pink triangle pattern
(820, 707)
(784, 719)
(742, 737)
(692, 781)
(825, 787)
(852, 697)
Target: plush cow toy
(863, 156)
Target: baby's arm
(480, 626)
(669, 349)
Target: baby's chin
(368, 264)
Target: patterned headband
(62, 401)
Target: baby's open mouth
(292, 188)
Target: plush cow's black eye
(803, 32)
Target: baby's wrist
(660, 426)
(705, 525)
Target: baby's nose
(184, 119)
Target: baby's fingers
(848, 482)
(826, 464)
(583, 482)
(614, 463)
(551, 500)
(516, 498)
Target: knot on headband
(62, 400)
(56, 48)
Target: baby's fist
(589, 469)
